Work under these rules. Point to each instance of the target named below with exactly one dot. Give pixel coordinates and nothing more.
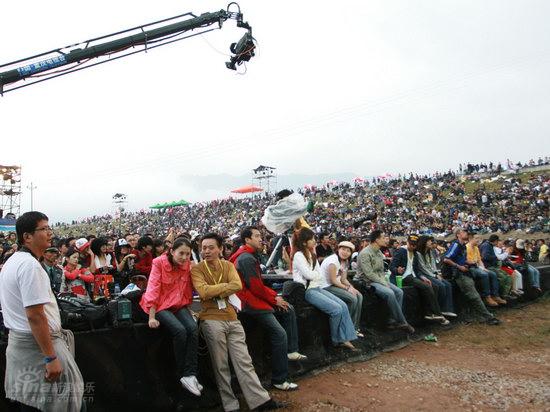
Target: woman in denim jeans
(306, 270)
(518, 257)
(166, 300)
(425, 253)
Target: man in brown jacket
(215, 280)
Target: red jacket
(144, 263)
(255, 296)
(169, 287)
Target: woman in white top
(335, 271)
(305, 270)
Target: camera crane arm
(48, 65)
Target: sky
(362, 87)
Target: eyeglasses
(44, 229)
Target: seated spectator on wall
(166, 300)
(543, 251)
(216, 280)
(306, 270)
(485, 268)
(507, 266)
(404, 263)
(491, 262)
(335, 272)
(273, 314)
(456, 268)
(518, 257)
(370, 268)
(427, 265)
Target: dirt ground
(470, 368)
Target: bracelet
(49, 359)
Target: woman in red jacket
(76, 277)
(166, 300)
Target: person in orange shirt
(489, 282)
(216, 281)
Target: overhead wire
(302, 126)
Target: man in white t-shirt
(37, 347)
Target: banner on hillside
(7, 225)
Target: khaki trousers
(225, 338)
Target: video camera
(243, 51)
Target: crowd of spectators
(213, 249)
(482, 202)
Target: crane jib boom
(83, 52)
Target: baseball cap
(412, 238)
(52, 250)
(123, 242)
(194, 234)
(81, 244)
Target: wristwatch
(48, 359)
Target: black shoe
(271, 405)
(493, 321)
(406, 327)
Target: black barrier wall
(133, 368)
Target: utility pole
(32, 187)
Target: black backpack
(120, 312)
(294, 293)
(79, 315)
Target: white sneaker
(286, 386)
(433, 317)
(198, 384)
(296, 356)
(444, 322)
(190, 383)
(449, 314)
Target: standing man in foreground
(37, 345)
(216, 281)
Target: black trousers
(427, 293)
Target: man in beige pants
(215, 280)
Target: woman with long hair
(102, 263)
(335, 272)
(75, 277)
(166, 300)
(125, 261)
(306, 270)
(102, 268)
(427, 263)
